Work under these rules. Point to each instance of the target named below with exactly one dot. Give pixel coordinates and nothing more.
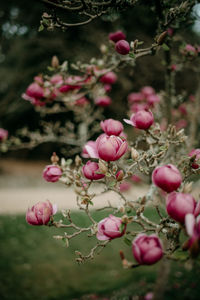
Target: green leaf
(121, 227)
(68, 162)
(127, 241)
(132, 55)
(41, 27)
(165, 47)
(112, 184)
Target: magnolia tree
(163, 151)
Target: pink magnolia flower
(192, 226)
(91, 171)
(3, 134)
(34, 90)
(40, 213)
(174, 67)
(183, 110)
(111, 148)
(196, 154)
(107, 88)
(136, 178)
(149, 296)
(167, 177)
(39, 79)
(181, 124)
(52, 173)
(135, 97)
(112, 127)
(56, 79)
(110, 228)
(147, 91)
(90, 150)
(103, 101)
(125, 186)
(135, 107)
(122, 47)
(178, 205)
(109, 78)
(147, 250)
(81, 102)
(143, 119)
(153, 99)
(117, 36)
(170, 31)
(190, 49)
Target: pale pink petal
(190, 224)
(129, 122)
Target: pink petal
(91, 151)
(129, 122)
(190, 224)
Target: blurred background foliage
(25, 52)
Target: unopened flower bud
(120, 175)
(54, 158)
(103, 48)
(78, 160)
(134, 154)
(55, 62)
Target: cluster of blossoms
(146, 98)
(110, 147)
(57, 87)
(190, 51)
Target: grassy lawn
(33, 265)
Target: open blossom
(110, 228)
(91, 171)
(142, 119)
(147, 91)
(135, 97)
(122, 47)
(167, 177)
(135, 107)
(40, 213)
(103, 101)
(35, 90)
(125, 186)
(147, 250)
(112, 127)
(196, 154)
(56, 79)
(52, 173)
(90, 150)
(192, 226)
(153, 99)
(3, 134)
(109, 78)
(117, 36)
(178, 205)
(111, 148)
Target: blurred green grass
(33, 265)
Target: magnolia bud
(134, 154)
(103, 48)
(120, 175)
(54, 158)
(78, 160)
(55, 62)
(102, 166)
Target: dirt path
(21, 185)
